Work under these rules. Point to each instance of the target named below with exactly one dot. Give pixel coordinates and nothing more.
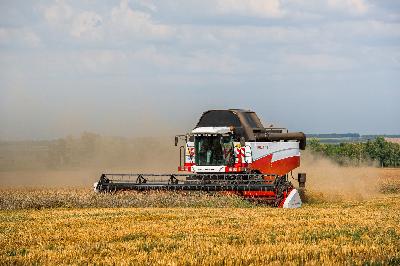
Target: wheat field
(366, 232)
(51, 226)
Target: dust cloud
(332, 182)
(76, 167)
(79, 162)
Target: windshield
(214, 150)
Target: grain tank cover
(245, 122)
(219, 118)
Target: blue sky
(140, 67)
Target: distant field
(332, 139)
(335, 138)
(394, 140)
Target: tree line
(378, 151)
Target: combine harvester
(228, 151)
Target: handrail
(180, 156)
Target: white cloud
(58, 13)
(224, 63)
(150, 59)
(120, 23)
(151, 56)
(87, 24)
(350, 6)
(364, 28)
(148, 4)
(19, 36)
(139, 24)
(194, 62)
(79, 24)
(258, 8)
(318, 62)
(99, 61)
(226, 37)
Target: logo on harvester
(261, 147)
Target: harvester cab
(212, 150)
(230, 151)
(208, 149)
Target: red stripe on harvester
(254, 193)
(280, 167)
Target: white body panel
(211, 130)
(95, 187)
(279, 150)
(293, 200)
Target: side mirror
(176, 140)
(242, 142)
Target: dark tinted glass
(214, 150)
